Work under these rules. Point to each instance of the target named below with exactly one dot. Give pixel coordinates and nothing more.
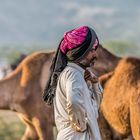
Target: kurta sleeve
(97, 91)
(75, 101)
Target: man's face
(89, 58)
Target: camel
(121, 99)
(106, 61)
(21, 91)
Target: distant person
(76, 90)
(4, 71)
(17, 61)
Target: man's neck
(81, 65)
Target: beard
(87, 63)
(92, 61)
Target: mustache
(94, 58)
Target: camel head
(106, 61)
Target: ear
(104, 78)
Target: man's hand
(90, 76)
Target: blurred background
(31, 25)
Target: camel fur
(121, 99)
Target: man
(76, 89)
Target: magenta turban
(77, 42)
(73, 38)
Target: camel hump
(37, 57)
(32, 66)
(129, 64)
(133, 61)
(128, 69)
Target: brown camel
(106, 61)
(121, 99)
(21, 91)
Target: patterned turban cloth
(77, 42)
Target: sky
(32, 22)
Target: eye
(92, 50)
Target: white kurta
(75, 106)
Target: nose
(94, 53)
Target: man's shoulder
(70, 72)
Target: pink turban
(73, 38)
(77, 42)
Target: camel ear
(104, 78)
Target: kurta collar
(77, 67)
